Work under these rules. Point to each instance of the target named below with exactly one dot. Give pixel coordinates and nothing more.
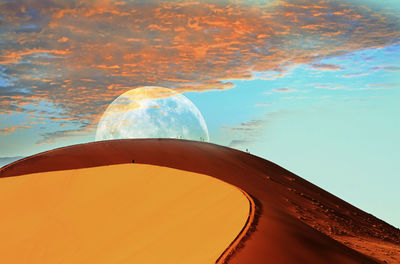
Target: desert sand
(128, 213)
(295, 221)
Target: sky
(313, 86)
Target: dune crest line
(243, 234)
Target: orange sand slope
(129, 213)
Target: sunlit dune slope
(296, 222)
(128, 213)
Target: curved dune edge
(296, 215)
(60, 195)
(244, 234)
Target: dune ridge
(300, 222)
(244, 234)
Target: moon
(152, 112)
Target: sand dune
(296, 222)
(129, 213)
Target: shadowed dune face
(299, 223)
(129, 213)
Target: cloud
(240, 143)
(329, 86)
(245, 133)
(263, 104)
(352, 75)
(9, 130)
(51, 137)
(385, 68)
(79, 56)
(285, 90)
(379, 86)
(17, 56)
(250, 125)
(325, 66)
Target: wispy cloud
(51, 137)
(263, 104)
(325, 66)
(245, 133)
(248, 126)
(237, 143)
(329, 86)
(9, 130)
(285, 90)
(385, 68)
(379, 86)
(353, 75)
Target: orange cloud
(63, 39)
(16, 56)
(9, 130)
(324, 66)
